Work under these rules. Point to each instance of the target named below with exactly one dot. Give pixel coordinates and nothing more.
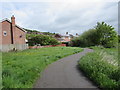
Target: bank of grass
(101, 66)
(21, 69)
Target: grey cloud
(74, 20)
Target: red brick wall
(33, 47)
(6, 26)
(19, 36)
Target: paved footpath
(64, 73)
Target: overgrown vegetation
(103, 34)
(21, 69)
(101, 66)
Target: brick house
(12, 36)
(62, 38)
(66, 38)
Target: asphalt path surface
(65, 73)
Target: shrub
(42, 40)
(88, 38)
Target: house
(77, 35)
(62, 38)
(65, 38)
(12, 36)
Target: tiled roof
(15, 25)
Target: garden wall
(32, 47)
(10, 47)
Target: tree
(41, 39)
(106, 35)
(88, 38)
(102, 34)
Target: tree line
(102, 34)
(35, 37)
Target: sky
(61, 16)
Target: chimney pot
(76, 33)
(13, 20)
(66, 32)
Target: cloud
(59, 1)
(67, 16)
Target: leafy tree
(103, 34)
(41, 39)
(106, 35)
(88, 38)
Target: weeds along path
(64, 73)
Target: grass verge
(101, 66)
(21, 69)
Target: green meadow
(21, 69)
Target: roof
(15, 24)
(63, 35)
(66, 40)
(57, 35)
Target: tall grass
(101, 66)
(21, 69)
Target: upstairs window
(4, 33)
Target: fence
(10, 47)
(32, 47)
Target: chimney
(66, 32)
(13, 29)
(13, 20)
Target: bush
(42, 40)
(88, 38)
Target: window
(20, 36)
(4, 33)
